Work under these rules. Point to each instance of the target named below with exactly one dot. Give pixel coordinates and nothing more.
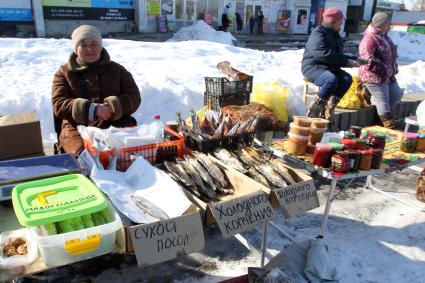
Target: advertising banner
(15, 11)
(100, 10)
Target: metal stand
(327, 208)
(264, 244)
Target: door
(301, 20)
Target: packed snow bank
(202, 31)
(410, 46)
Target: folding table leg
(264, 244)
(328, 207)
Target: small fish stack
(200, 176)
(265, 169)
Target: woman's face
(385, 27)
(89, 51)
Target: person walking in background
(239, 23)
(91, 90)
(225, 22)
(251, 24)
(378, 74)
(260, 21)
(321, 64)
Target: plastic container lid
(56, 199)
(324, 146)
(337, 145)
(298, 137)
(292, 125)
(408, 135)
(421, 136)
(348, 142)
(366, 152)
(349, 135)
(156, 116)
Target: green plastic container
(56, 199)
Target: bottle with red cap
(157, 127)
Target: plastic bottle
(157, 127)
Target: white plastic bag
(420, 114)
(17, 260)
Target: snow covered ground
(372, 238)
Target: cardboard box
(249, 206)
(20, 135)
(167, 239)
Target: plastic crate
(222, 86)
(154, 153)
(215, 102)
(210, 145)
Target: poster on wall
(15, 11)
(283, 21)
(166, 7)
(153, 8)
(99, 10)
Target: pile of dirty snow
(202, 31)
(407, 45)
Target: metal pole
(264, 244)
(328, 207)
(284, 233)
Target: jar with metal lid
(356, 130)
(377, 155)
(361, 144)
(365, 159)
(377, 140)
(420, 143)
(349, 135)
(340, 162)
(408, 142)
(337, 146)
(322, 155)
(354, 157)
(349, 143)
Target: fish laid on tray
(200, 176)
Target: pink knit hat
(332, 15)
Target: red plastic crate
(154, 153)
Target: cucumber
(98, 219)
(77, 223)
(107, 215)
(88, 221)
(65, 226)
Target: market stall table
(392, 151)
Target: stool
(310, 89)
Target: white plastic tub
(79, 245)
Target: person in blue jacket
(321, 64)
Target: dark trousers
(333, 83)
(251, 28)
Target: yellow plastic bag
(350, 100)
(274, 96)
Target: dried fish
(247, 158)
(233, 130)
(149, 207)
(258, 177)
(229, 159)
(280, 168)
(212, 168)
(202, 171)
(202, 189)
(180, 174)
(270, 175)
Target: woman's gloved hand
(103, 112)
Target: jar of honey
(420, 143)
(365, 159)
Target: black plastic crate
(209, 145)
(222, 86)
(215, 102)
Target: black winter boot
(329, 108)
(316, 107)
(387, 120)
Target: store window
(213, 9)
(190, 10)
(179, 8)
(302, 17)
(201, 8)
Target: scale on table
(14, 172)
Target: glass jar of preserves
(377, 140)
(377, 155)
(420, 143)
(408, 142)
(356, 130)
(349, 143)
(340, 162)
(361, 144)
(354, 157)
(322, 155)
(365, 159)
(349, 135)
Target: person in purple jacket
(378, 74)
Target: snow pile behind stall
(410, 46)
(202, 31)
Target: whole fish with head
(180, 174)
(196, 126)
(202, 189)
(270, 175)
(258, 155)
(258, 177)
(228, 158)
(202, 171)
(280, 168)
(149, 208)
(212, 168)
(233, 130)
(247, 158)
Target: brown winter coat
(76, 86)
